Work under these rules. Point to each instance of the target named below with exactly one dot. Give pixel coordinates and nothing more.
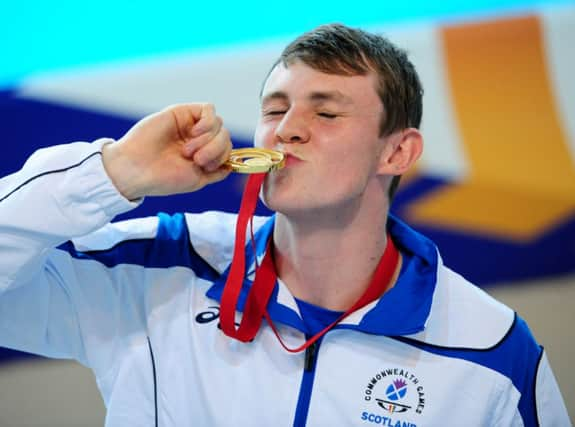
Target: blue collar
(403, 310)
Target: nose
(292, 128)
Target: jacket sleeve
(61, 193)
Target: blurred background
(495, 188)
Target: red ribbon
(255, 308)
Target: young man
(139, 302)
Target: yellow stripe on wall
(522, 178)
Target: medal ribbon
(255, 308)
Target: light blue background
(37, 36)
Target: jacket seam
(469, 349)
(534, 390)
(154, 375)
(29, 180)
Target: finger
(220, 160)
(215, 151)
(194, 144)
(213, 155)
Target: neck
(329, 259)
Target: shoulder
(460, 314)
(465, 316)
(164, 240)
(212, 235)
(466, 323)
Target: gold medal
(255, 160)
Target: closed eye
(327, 115)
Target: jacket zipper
(306, 387)
(310, 356)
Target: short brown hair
(342, 50)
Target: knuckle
(210, 108)
(219, 121)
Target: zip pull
(310, 356)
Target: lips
(292, 159)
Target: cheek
(349, 160)
(351, 169)
(264, 135)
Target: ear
(400, 151)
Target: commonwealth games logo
(396, 390)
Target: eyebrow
(275, 96)
(334, 95)
(315, 97)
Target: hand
(178, 150)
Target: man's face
(328, 125)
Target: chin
(294, 205)
(282, 203)
(273, 193)
(285, 195)
(276, 204)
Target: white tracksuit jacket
(137, 302)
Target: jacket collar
(403, 310)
